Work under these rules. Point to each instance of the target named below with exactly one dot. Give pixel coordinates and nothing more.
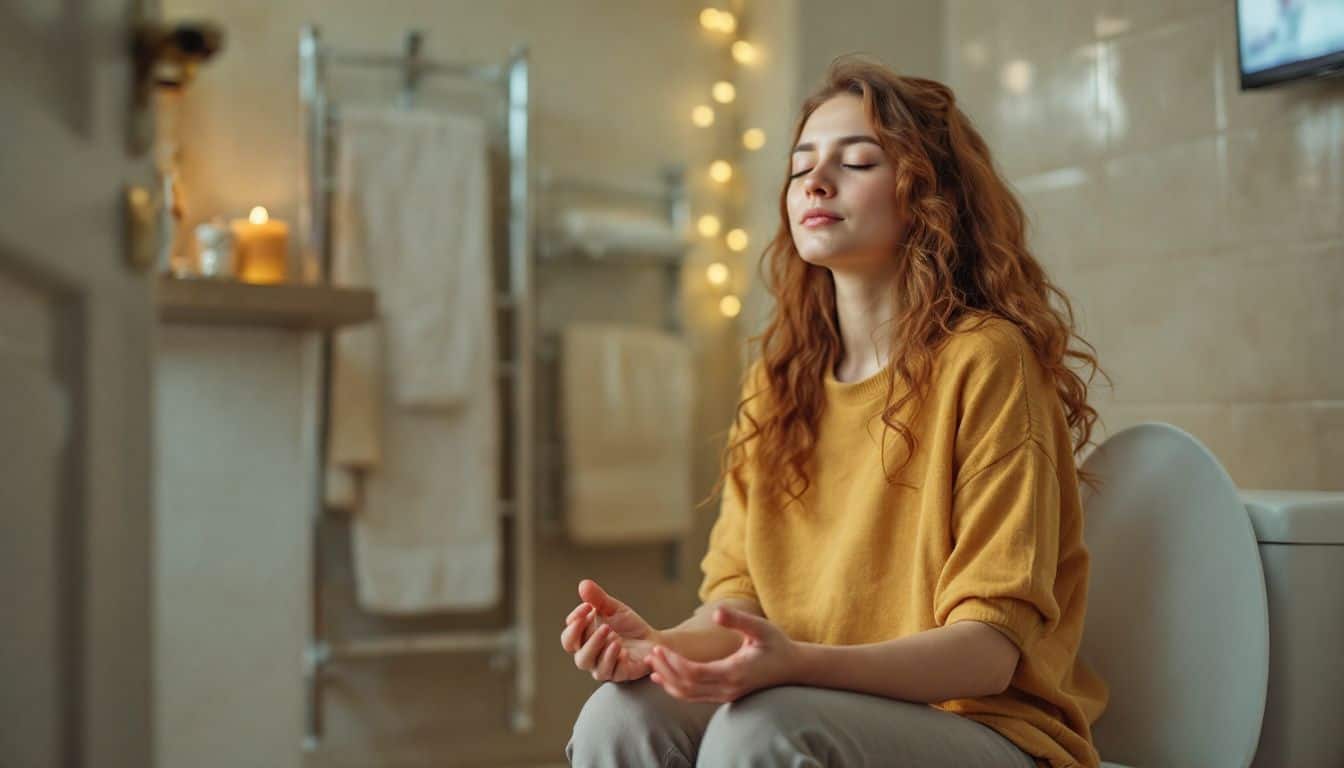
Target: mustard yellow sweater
(991, 532)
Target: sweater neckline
(875, 386)
(861, 391)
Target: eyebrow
(842, 141)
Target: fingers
(587, 656)
(606, 665)
(580, 610)
(571, 638)
(751, 626)
(692, 672)
(577, 630)
(664, 675)
(605, 604)
(686, 679)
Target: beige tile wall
(1196, 227)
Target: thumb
(750, 625)
(591, 593)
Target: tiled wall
(1197, 228)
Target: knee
(615, 726)
(603, 717)
(762, 729)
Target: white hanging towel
(414, 448)
(628, 398)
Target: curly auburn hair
(964, 253)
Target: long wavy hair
(965, 253)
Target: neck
(866, 307)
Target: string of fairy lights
(725, 28)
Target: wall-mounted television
(1281, 40)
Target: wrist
(697, 643)
(806, 660)
(660, 636)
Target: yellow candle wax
(262, 244)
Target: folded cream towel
(628, 397)
(415, 412)
(615, 233)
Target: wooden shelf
(296, 306)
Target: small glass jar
(216, 256)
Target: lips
(819, 220)
(817, 216)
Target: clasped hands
(612, 642)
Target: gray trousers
(637, 724)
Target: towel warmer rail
(670, 197)
(514, 643)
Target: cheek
(877, 201)
(794, 207)
(874, 196)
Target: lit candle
(263, 247)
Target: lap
(637, 723)
(787, 725)
(643, 702)
(798, 725)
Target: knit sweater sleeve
(1005, 511)
(725, 562)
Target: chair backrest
(1177, 621)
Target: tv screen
(1280, 40)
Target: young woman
(897, 575)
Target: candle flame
(258, 215)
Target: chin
(847, 259)
(822, 257)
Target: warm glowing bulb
(736, 239)
(702, 116)
(709, 18)
(708, 225)
(716, 273)
(727, 22)
(724, 92)
(1016, 76)
(258, 215)
(730, 306)
(744, 52)
(753, 138)
(720, 171)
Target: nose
(817, 183)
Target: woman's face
(839, 168)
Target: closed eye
(855, 167)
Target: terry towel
(628, 396)
(614, 233)
(414, 446)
